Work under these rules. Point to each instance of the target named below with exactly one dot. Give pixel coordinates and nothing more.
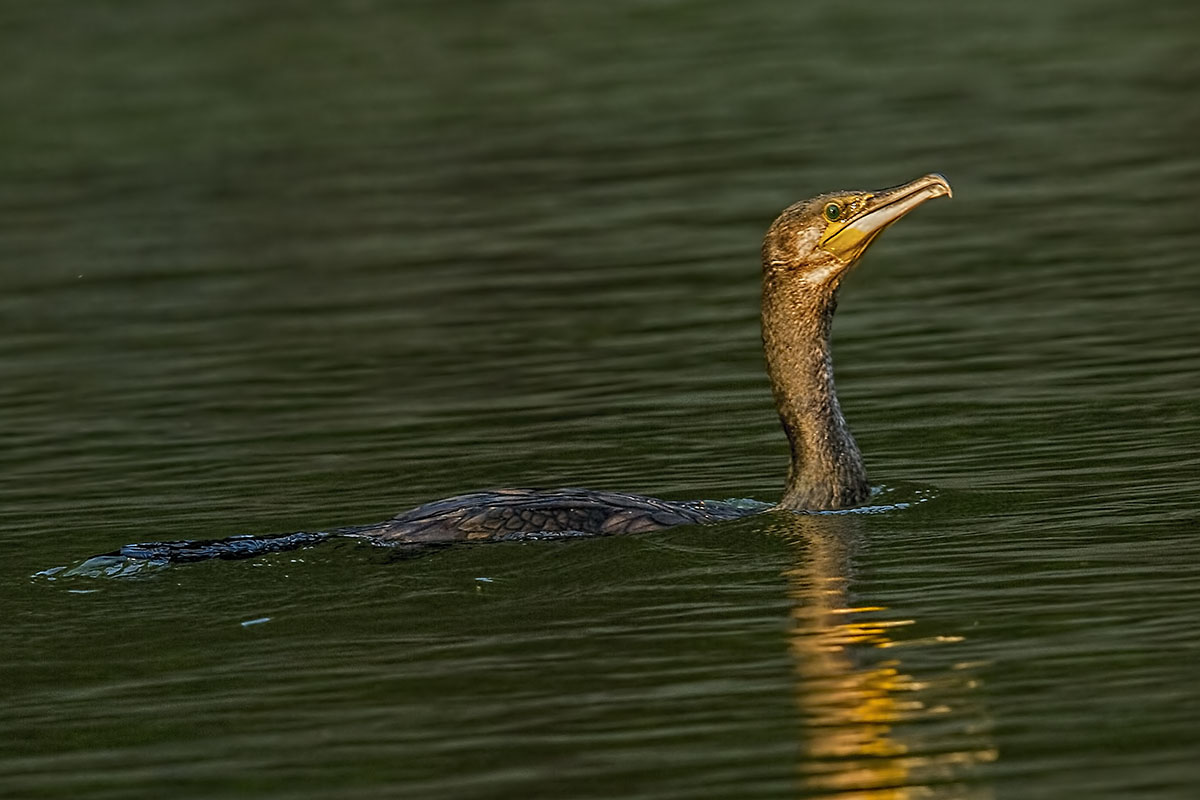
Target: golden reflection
(853, 699)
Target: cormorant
(806, 253)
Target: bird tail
(231, 548)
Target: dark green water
(273, 267)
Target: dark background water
(269, 267)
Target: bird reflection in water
(870, 731)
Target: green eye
(832, 211)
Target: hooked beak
(848, 239)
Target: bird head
(819, 240)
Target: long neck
(826, 469)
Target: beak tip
(939, 180)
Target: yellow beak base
(849, 238)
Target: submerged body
(520, 513)
(495, 516)
(806, 253)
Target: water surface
(268, 270)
